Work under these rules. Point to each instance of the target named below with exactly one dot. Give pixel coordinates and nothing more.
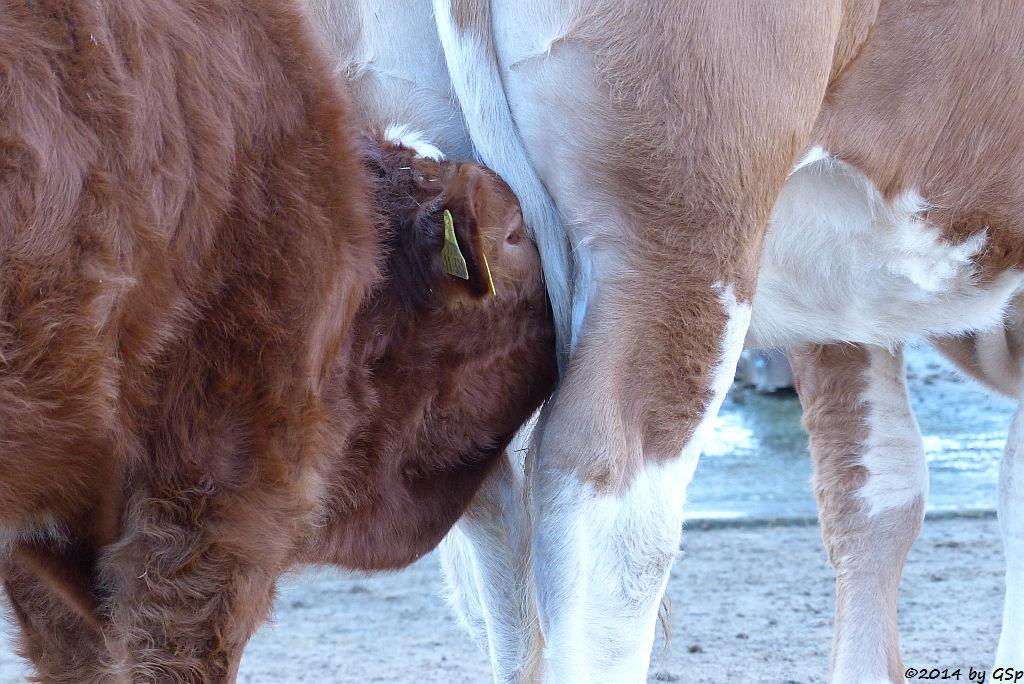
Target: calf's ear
(464, 208)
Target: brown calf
(227, 340)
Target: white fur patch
(816, 153)
(600, 584)
(404, 135)
(485, 559)
(459, 564)
(894, 452)
(530, 29)
(1011, 524)
(840, 263)
(486, 570)
(732, 345)
(582, 289)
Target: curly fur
(226, 341)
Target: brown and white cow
(228, 340)
(655, 144)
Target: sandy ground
(750, 604)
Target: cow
(833, 176)
(236, 334)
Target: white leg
(485, 559)
(602, 563)
(1011, 524)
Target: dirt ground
(749, 604)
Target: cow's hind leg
(486, 560)
(996, 358)
(871, 481)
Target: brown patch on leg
(867, 551)
(473, 17)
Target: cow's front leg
(615, 452)
(871, 481)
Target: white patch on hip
(417, 140)
(894, 451)
(816, 153)
(840, 263)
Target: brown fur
(226, 341)
(694, 164)
(470, 17)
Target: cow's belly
(392, 57)
(840, 263)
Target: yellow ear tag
(490, 281)
(451, 255)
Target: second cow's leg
(996, 358)
(871, 481)
(64, 645)
(1011, 524)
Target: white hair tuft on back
(405, 135)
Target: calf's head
(457, 358)
(484, 326)
(414, 193)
